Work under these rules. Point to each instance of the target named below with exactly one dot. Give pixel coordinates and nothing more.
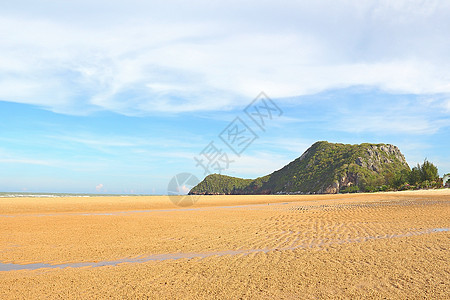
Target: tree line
(423, 175)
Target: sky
(121, 96)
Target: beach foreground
(392, 245)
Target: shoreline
(104, 204)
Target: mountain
(325, 168)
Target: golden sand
(385, 245)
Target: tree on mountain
(401, 178)
(415, 175)
(424, 175)
(428, 171)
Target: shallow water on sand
(169, 256)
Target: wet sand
(326, 246)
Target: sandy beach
(391, 245)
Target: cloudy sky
(119, 96)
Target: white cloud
(183, 190)
(100, 141)
(377, 123)
(290, 145)
(99, 187)
(26, 161)
(367, 110)
(139, 57)
(258, 164)
(446, 105)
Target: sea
(56, 195)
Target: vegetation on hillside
(357, 167)
(421, 176)
(216, 184)
(332, 168)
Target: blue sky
(118, 97)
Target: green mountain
(324, 168)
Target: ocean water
(55, 195)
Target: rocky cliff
(324, 168)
